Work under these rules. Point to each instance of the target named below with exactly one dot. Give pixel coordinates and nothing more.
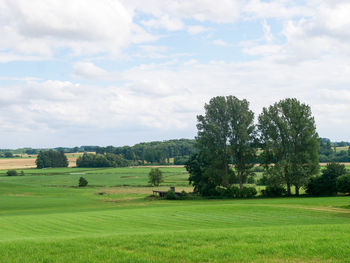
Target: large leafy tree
(290, 141)
(225, 134)
(242, 136)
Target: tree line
(158, 152)
(102, 160)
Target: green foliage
(248, 192)
(154, 152)
(289, 140)
(50, 159)
(181, 160)
(226, 133)
(170, 195)
(155, 177)
(8, 155)
(327, 183)
(82, 182)
(343, 184)
(273, 191)
(11, 173)
(251, 180)
(102, 160)
(263, 180)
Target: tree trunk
(296, 190)
(288, 189)
(240, 182)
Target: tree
(155, 177)
(226, 134)
(343, 184)
(8, 154)
(288, 138)
(242, 137)
(51, 158)
(82, 182)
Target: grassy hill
(44, 217)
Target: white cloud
(171, 24)
(193, 30)
(220, 42)
(281, 9)
(84, 27)
(89, 70)
(227, 11)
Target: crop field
(25, 161)
(45, 217)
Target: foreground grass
(45, 218)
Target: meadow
(45, 217)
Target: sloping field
(44, 218)
(25, 163)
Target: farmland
(44, 217)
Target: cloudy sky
(117, 72)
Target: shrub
(11, 173)
(263, 180)
(258, 169)
(248, 192)
(316, 186)
(233, 191)
(82, 182)
(183, 195)
(343, 183)
(327, 183)
(274, 191)
(251, 180)
(22, 173)
(170, 195)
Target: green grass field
(44, 217)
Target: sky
(119, 72)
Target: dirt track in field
(22, 163)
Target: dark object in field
(164, 193)
(11, 173)
(82, 182)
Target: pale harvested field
(20, 163)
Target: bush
(11, 173)
(258, 169)
(263, 180)
(183, 195)
(327, 183)
(22, 173)
(316, 186)
(181, 160)
(233, 192)
(82, 182)
(170, 195)
(251, 180)
(248, 192)
(274, 191)
(343, 183)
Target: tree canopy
(289, 142)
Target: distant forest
(176, 151)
